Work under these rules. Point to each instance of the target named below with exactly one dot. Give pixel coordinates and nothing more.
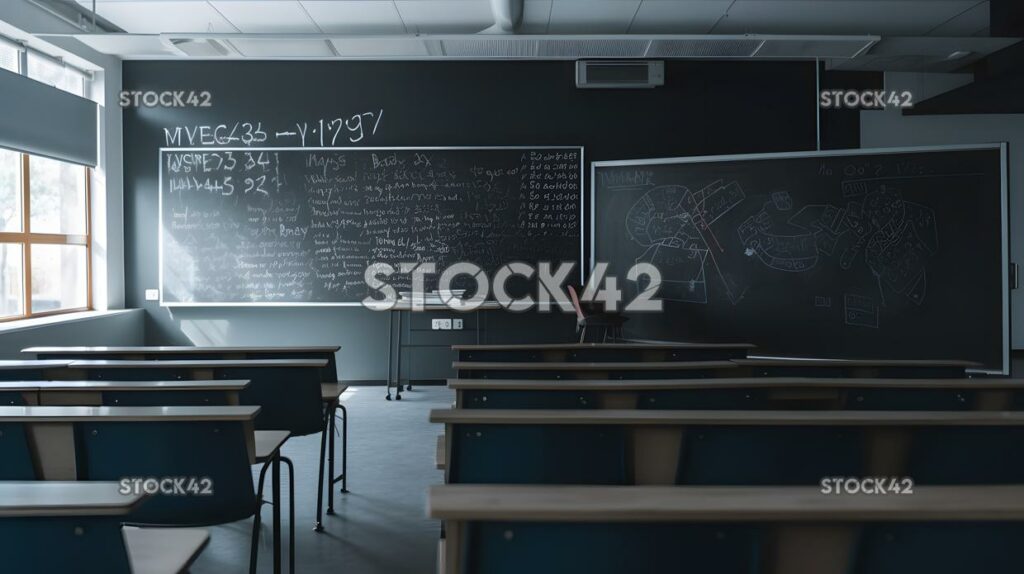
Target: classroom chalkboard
(886, 253)
(292, 226)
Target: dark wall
(704, 108)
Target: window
(44, 236)
(53, 73)
(9, 57)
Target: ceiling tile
(282, 48)
(355, 16)
(678, 16)
(592, 16)
(883, 17)
(266, 16)
(445, 16)
(147, 17)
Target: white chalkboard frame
(1004, 210)
(160, 210)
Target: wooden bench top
(732, 383)
(34, 414)
(329, 392)
(593, 366)
(719, 503)
(268, 442)
(198, 364)
(782, 362)
(59, 498)
(179, 350)
(609, 346)
(32, 364)
(163, 550)
(439, 453)
(142, 386)
(733, 418)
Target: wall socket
(152, 294)
(457, 324)
(441, 324)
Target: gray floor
(380, 526)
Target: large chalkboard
(898, 253)
(273, 226)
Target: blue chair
(83, 545)
(205, 450)
(768, 455)
(513, 399)
(940, 548)
(603, 548)
(967, 455)
(538, 454)
(705, 399)
(909, 400)
(15, 453)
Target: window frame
(26, 238)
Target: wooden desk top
(329, 392)
(19, 386)
(731, 418)
(733, 383)
(719, 503)
(268, 442)
(58, 498)
(31, 364)
(100, 386)
(590, 366)
(198, 364)
(163, 550)
(609, 346)
(782, 362)
(35, 414)
(178, 350)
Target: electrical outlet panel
(152, 294)
(457, 324)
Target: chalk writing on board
(289, 225)
(320, 132)
(674, 224)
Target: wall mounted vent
(620, 74)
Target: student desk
(891, 368)
(303, 405)
(592, 370)
(32, 370)
(159, 353)
(719, 447)
(778, 393)
(54, 443)
(113, 393)
(774, 530)
(600, 352)
(397, 338)
(57, 510)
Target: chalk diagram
(674, 224)
(896, 237)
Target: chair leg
(583, 334)
(330, 460)
(319, 527)
(291, 513)
(343, 477)
(255, 544)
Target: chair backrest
(940, 548)
(538, 454)
(909, 400)
(15, 454)
(574, 296)
(211, 456)
(608, 548)
(533, 399)
(84, 545)
(289, 398)
(971, 455)
(705, 399)
(768, 455)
